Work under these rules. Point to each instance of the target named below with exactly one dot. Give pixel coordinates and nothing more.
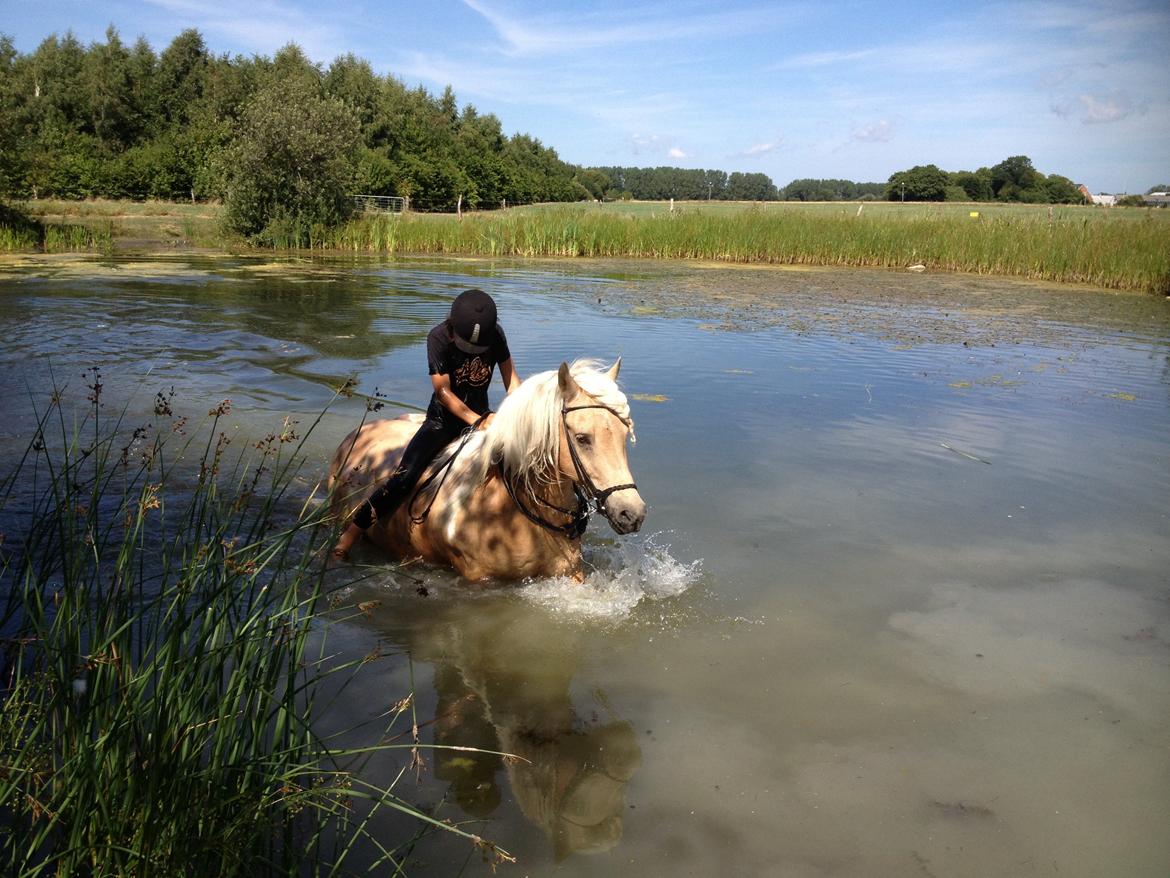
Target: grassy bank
(107, 225)
(1119, 249)
(163, 626)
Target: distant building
(1157, 199)
(1103, 200)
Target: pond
(901, 604)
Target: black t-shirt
(470, 374)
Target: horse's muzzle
(626, 511)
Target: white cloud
(761, 149)
(875, 132)
(532, 34)
(1099, 109)
(675, 153)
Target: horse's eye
(583, 439)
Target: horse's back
(367, 457)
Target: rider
(461, 354)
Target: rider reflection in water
(462, 353)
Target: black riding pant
(432, 437)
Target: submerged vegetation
(162, 659)
(1080, 247)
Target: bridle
(598, 496)
(590, 498)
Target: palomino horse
(515, 500)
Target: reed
(1073, 247)
(163, 657)
(69, 238)
(21, 231)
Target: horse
(510, 501)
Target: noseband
(589, 496)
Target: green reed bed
(1088, 248)
(163, 618)
(19, 231)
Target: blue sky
(793, 89)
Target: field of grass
(1121, 248)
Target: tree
(976, 184)
(288, 171)
(1014, 176)
(1062, 190)
(11, 155)
(182, 76)
(920, 183)
(750, 187)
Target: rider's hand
(487, 419)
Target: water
(901, 603)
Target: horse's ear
(567, 383)
(614, 369)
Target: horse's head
(593, 445)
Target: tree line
(1014, 179)
(684, 184)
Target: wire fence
(381, 203)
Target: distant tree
(662, 183)
(830, 190)
(1014, 176)
(595, 182)
(287, 173)
(750, 187)
(1062, 190)
(920, 183)
(976, 184)
(1161, 187)
(1130, 201)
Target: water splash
(622, 574)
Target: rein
(445, 469)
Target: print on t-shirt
(475, 372)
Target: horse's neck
(545, 495)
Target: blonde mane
(524, 436)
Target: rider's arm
(508, 375)
(445, 395)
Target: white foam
(622, 575)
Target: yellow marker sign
(974, 214)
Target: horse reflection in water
(502, 675)
(515, 500)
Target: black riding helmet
(473, 321)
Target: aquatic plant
(1076, 246)
(164, 612)
(19, 231)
